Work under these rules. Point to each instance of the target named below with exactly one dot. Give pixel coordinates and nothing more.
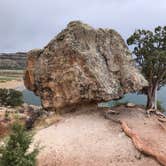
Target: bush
(10, 97)
(160, 107)
(7, 115)
(15, 151)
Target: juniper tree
(149, 48)
(10, 97)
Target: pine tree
(15, 151)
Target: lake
(30, 98)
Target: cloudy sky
(28, 24)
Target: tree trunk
(152, 97)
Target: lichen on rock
(82, 65)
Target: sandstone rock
(82, 65)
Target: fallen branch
(142, 146)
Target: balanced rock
(82, 65)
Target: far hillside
(13, 61)
(12, 66)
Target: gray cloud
(28, 24)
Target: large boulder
(82, 65)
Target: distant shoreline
(13, 84)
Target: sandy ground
(14, 84)
(88, 139)
(151, 131)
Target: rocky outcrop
(82, 65)
(13, 60)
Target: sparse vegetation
(43, 122)
(10, 97)
(160, 107)
(7, 115)
(15, 151)
(8, 75)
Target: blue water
(141, 99)
(30, 98)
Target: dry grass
(8, 75)
(44, 122)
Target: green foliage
(160, 107)
(149, 48)
(7, 115)
(150, 52)
(15, 151)
(10, 97)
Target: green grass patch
(4, 79)
(8, 75)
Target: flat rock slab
(147, 133)
(86, 138)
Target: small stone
(130, 105)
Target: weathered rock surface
(13, 60)
(82, 65)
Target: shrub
(10, 97)
(15, 151)
(7, 117)
(3, 96)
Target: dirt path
(88, 139)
